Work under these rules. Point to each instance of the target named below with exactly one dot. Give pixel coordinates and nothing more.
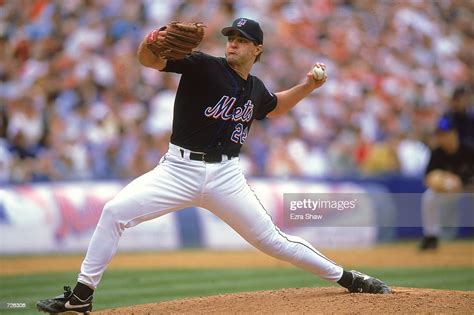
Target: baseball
(319, 73)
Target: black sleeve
(193, 62)
(268, 103)
(436, 161)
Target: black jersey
(464, 123)
(214, 106)
(460, 163)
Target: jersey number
(240, 134)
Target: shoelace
(67, 292)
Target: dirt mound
(314, 300)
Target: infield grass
(129, 287)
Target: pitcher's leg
(234, 202)
(174, 184)
(237, 205)
(149, 196)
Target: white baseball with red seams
(319, 73)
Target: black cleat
(362, 283)
(66, 303)
(428, 242)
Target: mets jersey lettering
(224, 110)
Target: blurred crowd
(75, 104)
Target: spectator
(382, 158)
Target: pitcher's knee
(111, 213)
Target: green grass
(128, 287)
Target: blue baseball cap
(249, 29)
(444, 124)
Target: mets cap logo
(241, 22)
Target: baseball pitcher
(216, 103)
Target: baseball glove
(179, 42)
(443, 181)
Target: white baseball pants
(438, 210)
(177, 183)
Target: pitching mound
(314, 300)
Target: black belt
(206, 157)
